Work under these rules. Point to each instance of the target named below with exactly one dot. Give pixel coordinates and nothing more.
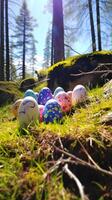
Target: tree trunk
(7, 41)
(0, 37)
(24, 50)
(92, 25)
(2, 40)
(58, 32)
(98, 25)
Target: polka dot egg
(64, 100)
(44, 95)
(52, 111)
(79, 94)
(28, 111)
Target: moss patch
(72, 60)
(9, 91)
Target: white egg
(15, 107)
(28, 112)
(79, 94)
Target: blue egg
(57, 90)
(30, 93)
(37, 94)
(44, 95)
(52, 111)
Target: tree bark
(24, 50)
(92, 26)
(98, 25)
(7, 41)
(58, 32)
(2, 40)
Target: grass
(24, 158)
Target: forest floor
(67, 161)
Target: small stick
(77, 181)
(84, 163)
(92, 72)
(89, 157)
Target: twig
(84, 163)
(88, 155)
(78, 183)
(92, 72)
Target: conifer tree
(23, 34)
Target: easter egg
(52, 111)
(30, 93)
(15, 107)
(44, 95)
(37, 94)
(41, 110)
(70, 95)
(79, 94)
(57, 90)
(64, 100)
(28, 111)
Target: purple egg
(44, 95)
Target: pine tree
(98, 25)
(33, 54)
(23, 34)
(47, 50)
(2, 40)
(7, 40)
(92, 25)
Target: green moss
(72, 60)
(11, 88)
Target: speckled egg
(30, 93)
(64, 100)
(79, 94)
(70, 95)
(15, 107)
(28, 112)
(44, 95)
(41, 110)
(52, 111)
(57, 90)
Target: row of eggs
(45, 106)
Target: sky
(38, 11)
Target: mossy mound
(61, 74)
(28, 83)
(9, 92)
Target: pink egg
(64, 100)
(70, 94)
(41, 110)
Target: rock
(108, 89)
(67, 73)
(107, 119)
(28, 83)
(6, 96)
